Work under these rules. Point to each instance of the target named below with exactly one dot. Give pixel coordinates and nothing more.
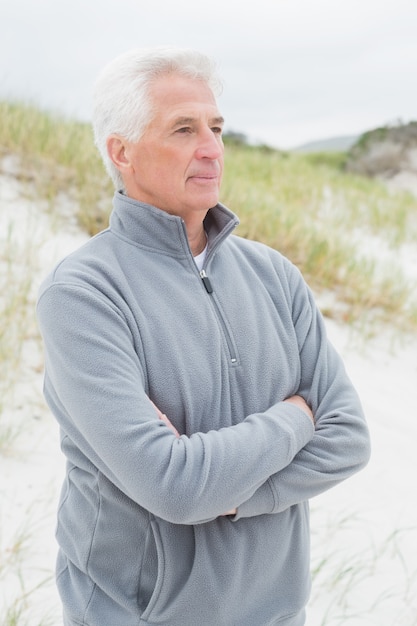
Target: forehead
(175, 96)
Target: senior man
(200, 403)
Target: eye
(184, 130)
(217, 130)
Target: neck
(197, 240)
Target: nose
(210, 145)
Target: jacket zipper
(206, 281)
(230, 344)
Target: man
(200, 402)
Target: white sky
(293, 70)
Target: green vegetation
(323, 219)
(14, 314)
(399, 132)
(384, 151)
(58, 155)
(306, 206)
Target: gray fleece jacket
(127, 319)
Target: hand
(164, 419)
(302, 404)
(232, 512)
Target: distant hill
(331, 144)
(385, 151)
(388, 153)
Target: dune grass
(58, 155)
(355, 556)
(16, 317)
(322, 219)
(306, 206)
(16, 594)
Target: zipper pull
(206, 281)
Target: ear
(118, 153)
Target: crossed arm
(272, 459)
(297, 400)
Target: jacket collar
(157, 230)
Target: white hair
(121, 99)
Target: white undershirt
(200, 258)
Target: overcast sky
(293, 70)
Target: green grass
(58, 154)
(306, 206)
(313, 212)
(15, 315)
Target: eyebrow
(183, 121)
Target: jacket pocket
(152, 571)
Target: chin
(209, 200)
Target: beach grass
(58, 155)
(16, 317)
(306, 206)
(344, 576)
(17, 608)
(323, 220)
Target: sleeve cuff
(262, 502)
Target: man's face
(177, 164)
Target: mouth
(204, 177)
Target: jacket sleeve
(341, 445)
(95, 385)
